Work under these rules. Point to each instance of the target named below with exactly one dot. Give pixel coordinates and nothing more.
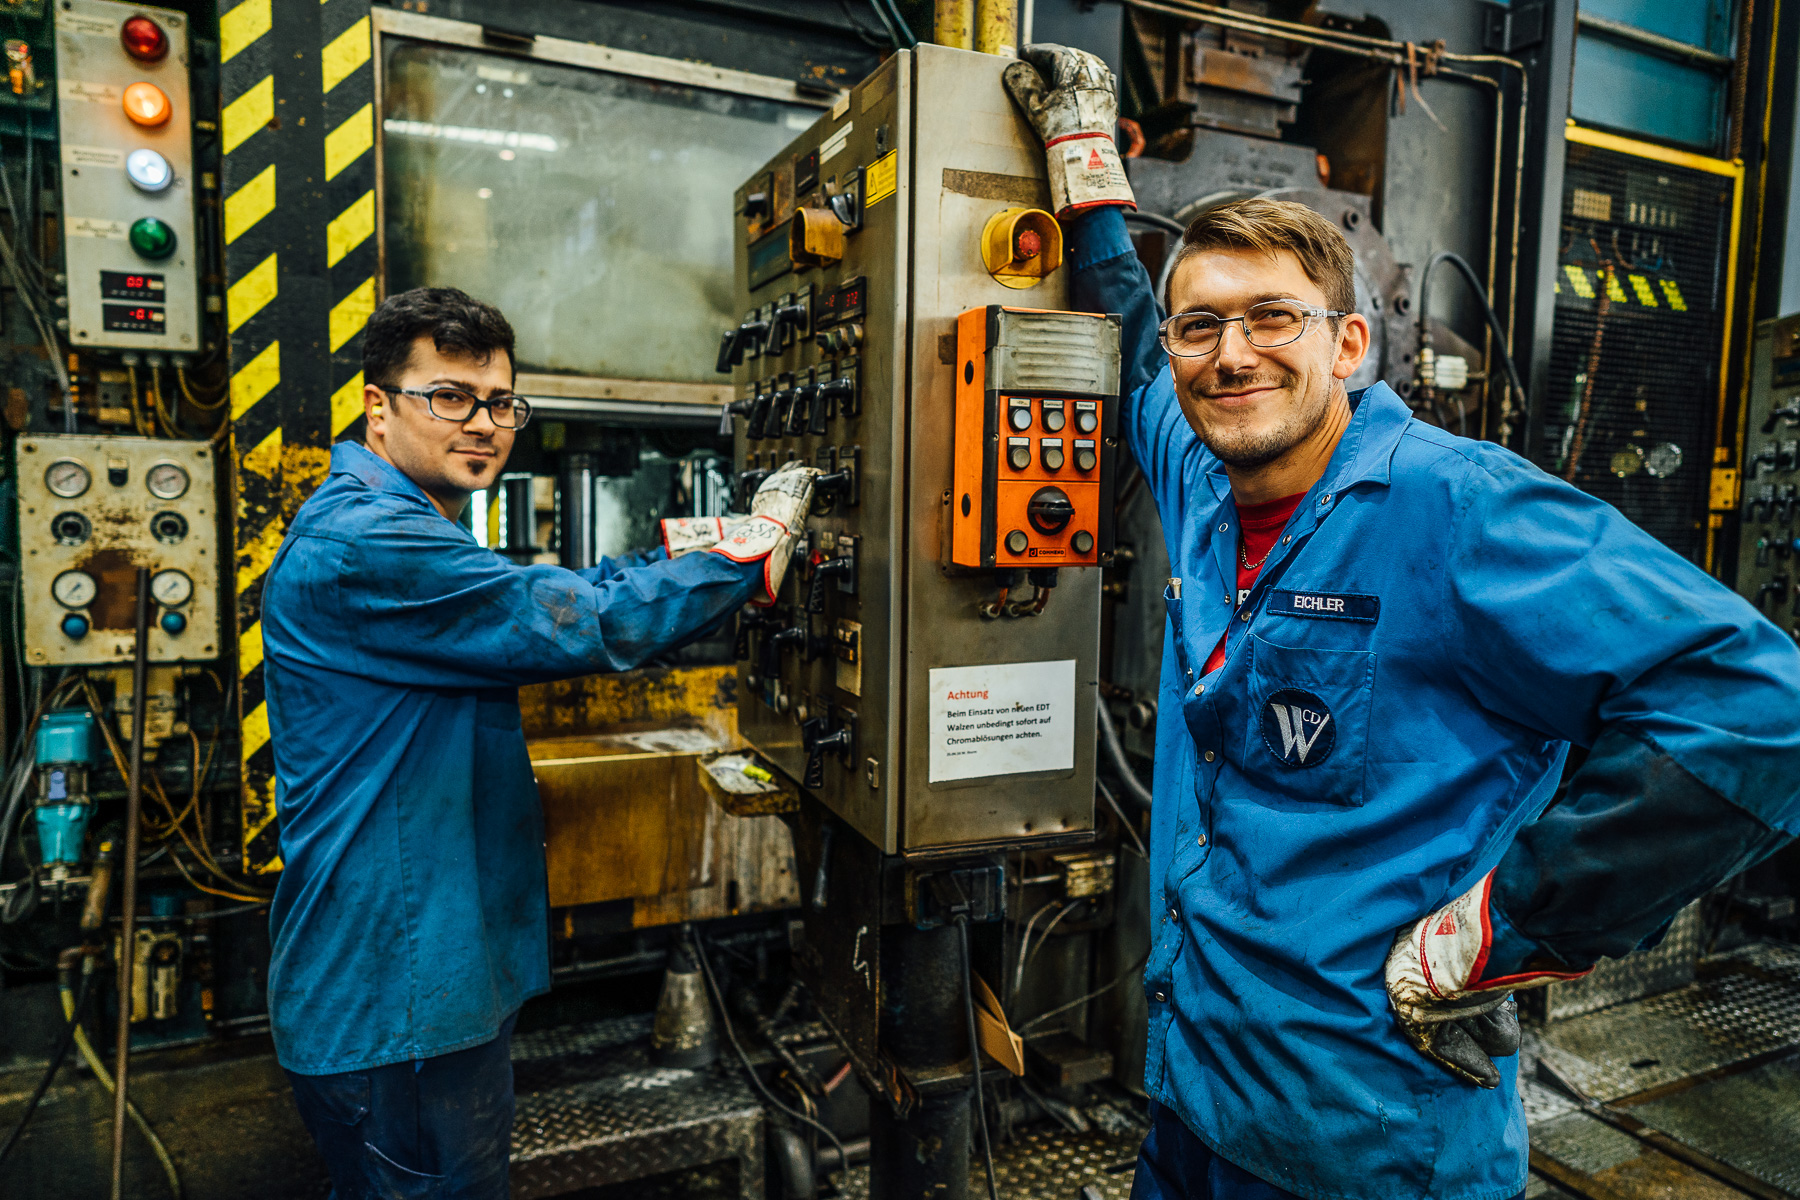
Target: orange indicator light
(147, 104)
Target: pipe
(1666, 46)
(997, 27)
(1115, 751)
(94, 1064)
(954, 24)
(134, 800)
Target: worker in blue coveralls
(410, 921)
(1382, 641)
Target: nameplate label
(1341, 606)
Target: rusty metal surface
(593, 1110)
(629, 699)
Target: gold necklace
(1244, 557)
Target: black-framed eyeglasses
(506, 410)
(1267, 325)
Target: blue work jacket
(1438, 623)
(411, 915)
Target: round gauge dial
(74, 589)
(166, 481)
(172, 589)
(67, 478)
(1663, 460)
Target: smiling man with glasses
(1383, 642)
(410, 920)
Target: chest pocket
(1307, 734)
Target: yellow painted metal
(1650, 150)
(954, 24)
(599, 704)
(997, 27)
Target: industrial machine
(1768, 552)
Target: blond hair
(1271, 226)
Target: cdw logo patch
(1297, 728)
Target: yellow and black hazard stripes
(297, 125)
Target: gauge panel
(167, 481)
(171, 589)
(68, 478)
(74, 589)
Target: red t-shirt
(1262, 525)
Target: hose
(903, 34)
(1109, 738)
(71, 1025)
(106, 1081)
(961, 922)
(1493, 320)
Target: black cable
(902, 30)
(862, 35)
(961, 921)
(56, 1061)
(1474, 281)
(887, 23)
(718, 998)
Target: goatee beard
(1247, 452)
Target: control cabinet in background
(1769, 546)
(929, 672)
(127, 176)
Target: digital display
(842, 302)
(769, 258)
(129, 285)
(133, 318)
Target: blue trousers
(1176, 1165)
(433, 1129)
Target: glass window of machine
(594, 209)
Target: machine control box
(1036, 394)
(92, 510)
(1768, 485)
(925, 676)
(126, 119)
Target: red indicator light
(144, 39)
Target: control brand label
(1003, 719)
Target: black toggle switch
(759, 413)
(747, 620)
(779, 403)
(838, 485)
(1789, 412)
(821, 736)
(800, 409)
(735, 343)
(834, 395)
(748, 482)
(823, 573)
(793, 315)
(1776, 587)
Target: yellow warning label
(1641, 286)
(1673, 295)
(1578, 279)
(1614, 290)
(882, 178)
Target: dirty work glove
(1071, 100)
(776, 522)
(684, 535)
(1445, 1008)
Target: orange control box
(1036, 416)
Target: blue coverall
(1461, 618)
(410, 920)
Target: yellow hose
(106, 1081)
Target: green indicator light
(152, 238)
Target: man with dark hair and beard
(1383, 641)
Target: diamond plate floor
(1045, 1165)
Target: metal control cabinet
(1768, 557)
(92, 510)
(923, 724)
(120, 296)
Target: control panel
(92, 510)
(127, 176)
(903, 331)
(1769, 487)
(1035, 398)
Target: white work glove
(776, 523)
(1070, 99)
(1445, 1008)
(684, 535)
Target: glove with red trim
(684, 535)
(776, 523)
(1446, 1009)
(1071, 100)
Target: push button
(1087, 416)
(1082, 542)
(1019, 414)
(1053, 414)
(1051, 452)
(1016, 541)
(1018, 453)
(1085, 458)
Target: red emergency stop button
(144, 39)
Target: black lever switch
(821, 736)
(823, 572)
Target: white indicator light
(148, 170)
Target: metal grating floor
(1045, 1165)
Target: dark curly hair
(455, 321)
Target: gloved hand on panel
(1446, 1009)
(684, 535)
(776, 522)
(1070, 98)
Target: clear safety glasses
(1267, 325)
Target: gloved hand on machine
(1446, 1009)
(1071, 100)
(775, 524)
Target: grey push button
(1018, 452)
(1019, 413)
(1087, 416)
(1082, 542)
(1051, 451)
(1016, 541)
(1053, 414)
(1085, 458)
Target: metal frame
(577, 396)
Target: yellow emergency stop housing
(815, 238)
(1020, 246)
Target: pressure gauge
(74, 589)
(166, 481)
(67, 478)
(1663, 460)
(172, 589)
